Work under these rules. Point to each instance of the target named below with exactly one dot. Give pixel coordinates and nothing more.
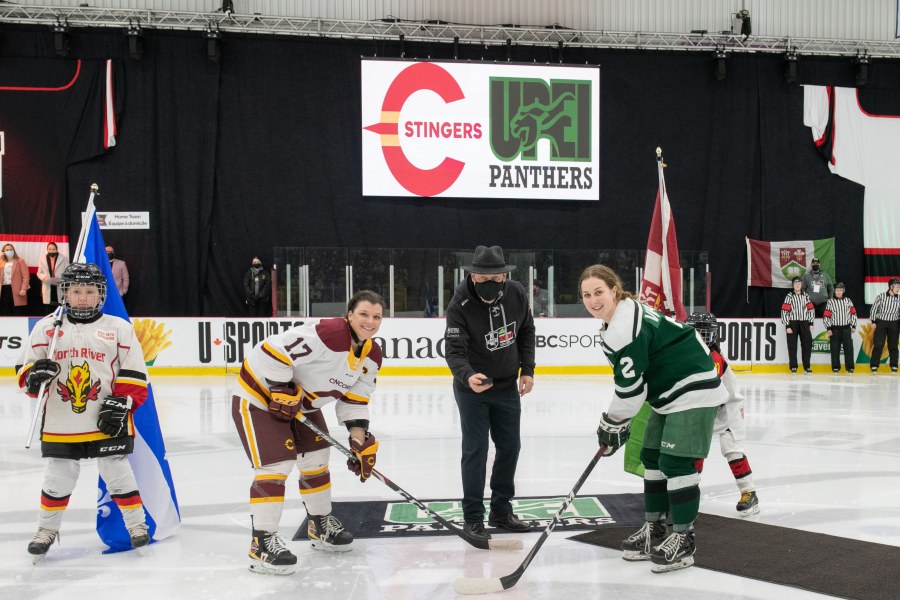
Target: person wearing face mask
(120, 271)
(818, 286)
(14, 292)
(490, 347)
(50, 268)
(258, 289)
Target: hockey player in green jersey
(663, 362)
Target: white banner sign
(480, 130)
(124, 220)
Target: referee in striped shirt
(797, 314)
(839, 318)
(885, 317)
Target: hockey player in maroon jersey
(96, 379)
(729, 424)
(302, 370)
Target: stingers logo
(78, 388)
(416, 78)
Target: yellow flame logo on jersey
(78, 388)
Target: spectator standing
(885, 317)
(258, 289)
(119, 270)
(490, 345)
(541, 300)
(50, 268)
(818, 286)
(839, 319)
(14, 291)
(797, 314)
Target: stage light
(135, 40)
(790, 65)
(721, 57)
(61, 38)
(213, 43)
(862, 68)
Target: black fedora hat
(488, 261)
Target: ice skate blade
(263, 568)
(326, 547)
(633, 556)
(749, 513)
(684, 563)
(37, 558)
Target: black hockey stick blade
(480, 585)
(482, 544)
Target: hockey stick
(43, 392)
(478, 585)
(490, 544)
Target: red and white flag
(661, 284)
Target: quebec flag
(151, 469)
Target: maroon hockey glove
(364, 462)
(285, 401)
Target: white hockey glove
(613, 434)
(113, 420)
(43, 370)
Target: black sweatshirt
(494, 339)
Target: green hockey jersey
(660, 360)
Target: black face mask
(815, 268)
(257, 265)
(53, 254)
(110, 255)
(489, 290)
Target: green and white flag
(775, 264)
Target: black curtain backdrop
(262, 150)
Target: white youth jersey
(317, 357)
(97, 359)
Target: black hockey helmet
(840, 286)
(893, 281)
(706, 325)
(78, 274)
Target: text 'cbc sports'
(567, 341)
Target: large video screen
(480, 130)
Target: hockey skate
(41, 542)
(140, 535)
(326, 533)
(748, 504)
(676, 552)
(639, 544)
(269, 555)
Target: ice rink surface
(824, 451)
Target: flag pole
(60, 311)
(665, 216)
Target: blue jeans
(498, 413)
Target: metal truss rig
(437, 31)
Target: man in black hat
(490, 350)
